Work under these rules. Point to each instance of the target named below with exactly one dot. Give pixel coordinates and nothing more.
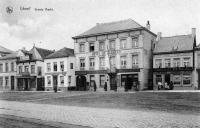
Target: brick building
(119, 53)
(174, 61)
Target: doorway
(55, 82)
(12, 83)
(81, 83)
(167, 78)
(26, 84)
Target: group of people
(93, 84)
(166, 86)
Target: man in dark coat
(95, 86)
(105, 86)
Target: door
(167, 78)
(81, 83)
(12, 83)
(113, 84)
(40, 84)
(26, 84)
(198, 80)
(55, 81)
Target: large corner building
(119, 53)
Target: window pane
(123, 43)
(55, 66)
(62, 65)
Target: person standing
(105, 86)
(95, 86)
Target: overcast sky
(53, 29)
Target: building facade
(30, 69)
(59, 69)
(8, 72)
(174, 61)
(118, 53)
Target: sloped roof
(64, 52)
(5, 50)
(9, 56)
(101, 28)
(174, 43)
(44, 52)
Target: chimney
(148, 25)
(193, 32)
(159, 35)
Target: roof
(174, 43)
(9, 56)
(5, 50)
(44, 52)
(101, 28)
(64, 52)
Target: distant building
(59, 69)
(4, 51)
(30, 68)
(174, 61)
(8, 72)
(119, 53)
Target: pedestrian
(55, 88)
(159, 85)
(95, 86)
(105, 86)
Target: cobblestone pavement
(100, 117)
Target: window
(6, 81)
(92, 62)
(39, 71)
(62, 80)
(123, 61)
(12, 66)
(123, 43)
(71, 66)
(186, 62)
(62, 65)
(198, 59)
(1, 67)
(91, 47)
(102, 80)
(101, 46)
(82, 47)
(177, 80)
(26, 68)
(102, 61)
(186, 79)
(48, 67)
(49, 80)
(176, 62)
(82, 63)
(167, 63)
(6, 67)
(135, 42)
(112, 44)
(32, 68)
(158, 63)
(1, 81)
(54, 66)
(112, 61)
(20, 69)
(135, 61)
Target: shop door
(167, 78)
(12, 83)
(26, 84)
(81, 83)
(55, 81)
(40, 84)
(113, 84)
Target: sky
(54, 29)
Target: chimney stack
(193, 32)
(148, 25)
(159, 35)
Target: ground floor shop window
(186, 80)
(1, 81)
(177, 80)
(158, 78)
(102, 80)
(33, 83)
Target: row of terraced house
(122, 54)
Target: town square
(71, 64)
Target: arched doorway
(81, 83)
